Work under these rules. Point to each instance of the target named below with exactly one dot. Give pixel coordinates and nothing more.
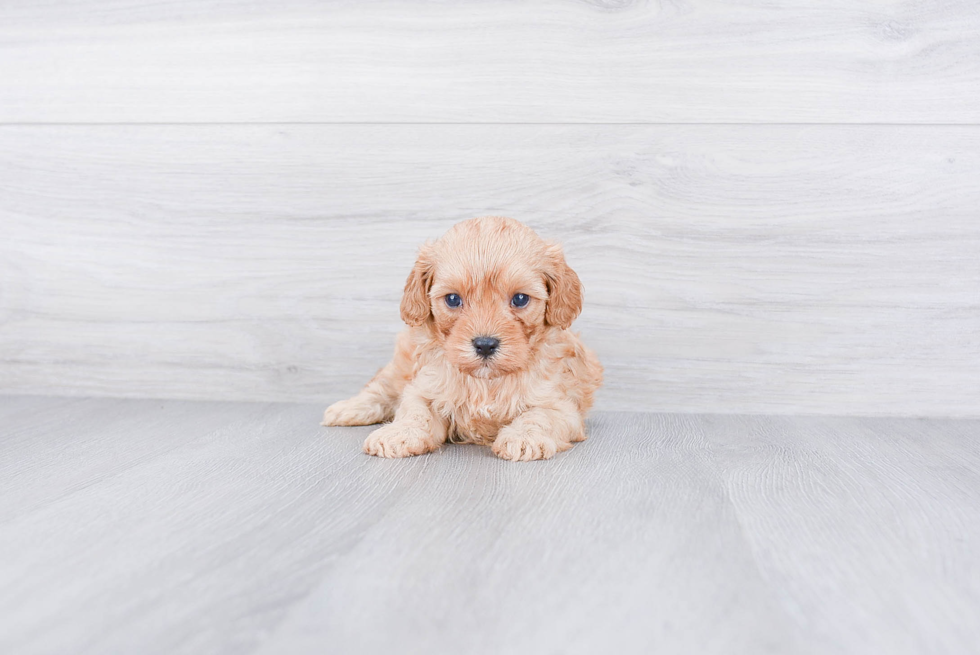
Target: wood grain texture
(727, 268)
(897, 61)
(177, 527)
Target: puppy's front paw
(399, 440)
(353, 411)
(527, 442)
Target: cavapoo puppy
(488, 357)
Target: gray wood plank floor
(166, 526)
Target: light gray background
(774, 207)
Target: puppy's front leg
(376, 401)
(539, 433)
(415, 430)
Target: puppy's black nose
(485, 346)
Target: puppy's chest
(477, 409)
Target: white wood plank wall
(494, 61)
(775, 207)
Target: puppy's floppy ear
(564, 290)
(415, 307)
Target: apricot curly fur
(529, 399)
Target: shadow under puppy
(488, 357)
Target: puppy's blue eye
(453, 300)
(520, 300)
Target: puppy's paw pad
(397, 440)
(524, 445)
(353, 412)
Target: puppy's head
(489, 289)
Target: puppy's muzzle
(485, 346)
